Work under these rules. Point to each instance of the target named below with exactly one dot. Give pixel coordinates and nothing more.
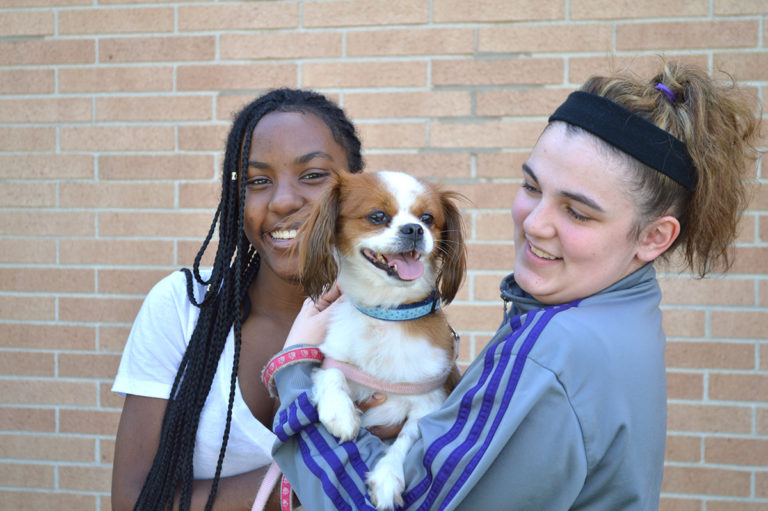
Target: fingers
(328, 297)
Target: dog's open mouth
(403, 265)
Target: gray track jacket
(564, 409)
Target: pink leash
(267, 484)
(356, 375)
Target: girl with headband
(565, 408)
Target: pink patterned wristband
(287, 358)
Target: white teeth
(394, 267)
(542, 254)
(381, 259)
(284, 235)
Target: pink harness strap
(356, 375)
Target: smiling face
(574, 219)
(293, 156)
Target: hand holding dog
(311, 324)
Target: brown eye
(427, 219)
(378, 217)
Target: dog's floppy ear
(452, 250)
(319, 267)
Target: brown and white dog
(394, 245)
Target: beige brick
(364, 74)
(160, 166)
(117, 138)
(43, 3)
(239, 16)
(731, 7)
(116, 21)
(46, 166)
(761, 486)
(84, 478)
(116, 79)
(474, 317)
(157, 49)
(116, 195)
(26, 475)
(581, 68)
(98, 310)
(23, 500)
(204, 138)
(684, 385)
(611, 9)
(187, 251)
(408, 104)
(489, 134)
(107, 450)
(116, 252)
(45, 110)
(87, 365)
(46, 223)
(199, 195)
(545, 38)
(763, 291)
(27, 195)
(736, 451)
(28, 308)
(522, 102)
(506, 164)
(89, 422)
(684, 322)
(490, 256)
(740, 324)
(738, 387)
(706, 481)
(52, 280)
(27, 139)
(287, 45)
(146, 224)
(28, 419)
(745, 230)
(233, 77)
(494, 227)
(709, 418)
(26, 363)
(27, 81)
(51, 392)
(58, 337)
(112, 338)
(425, 165)
(461, 11)
(108, 399)
(750, 260)
(364, 12)
(683, 448)
(395, 135)
(128, 281)
(27, 250)
(26, 23)
(680, 504)
(744, 66)
(432, 41)
(738, 505)
(487, 286)
(46, 52)
(712, 355)
(687, 35)
(538, 71)
(763, 228)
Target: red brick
(46, 166)
(116, 79)
(736, 451)
(52, 280)
(157, 49)
(738, 387)
(50, 337)
(98, 310)
(27, 139)
(683, 448)
(46, 52)
(709, 418)
(28, 308)
(116, 195)
(425, 165)
(46, 110)
(28, 419)
(489, 134)
(545, 38)
(88, 365)
(461, 11)
(27, 195)
(26, 475)
(712, 355)
(288, 45)
(117, 138)
(684, 385)
(364, 12)
(116, 21)
(49, 392)
(235, 76)
(117, 252)
(687, 35)
(534, 71)
(156, 166)
(242, 16)
(432, 41)
(611, 9)
(27, 81)
(364, 74)
(26, 23)
(26, 363)
(706, 481)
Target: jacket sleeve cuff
(286, 358)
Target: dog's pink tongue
(408, 267)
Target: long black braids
(224, 305)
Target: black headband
(630, 133)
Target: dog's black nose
(412, 231)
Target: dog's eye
(378, 217)
(427, 219)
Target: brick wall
(113, 115)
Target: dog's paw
(386, 485)
(340, 417)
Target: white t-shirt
(151, 358)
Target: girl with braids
(195, 428)
(566, 406)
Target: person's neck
(277, 298)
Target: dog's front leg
(335, 408)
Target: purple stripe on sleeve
(328, 486)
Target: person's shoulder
(177, 284)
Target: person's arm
(138, 436)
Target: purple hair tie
(668, 93)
